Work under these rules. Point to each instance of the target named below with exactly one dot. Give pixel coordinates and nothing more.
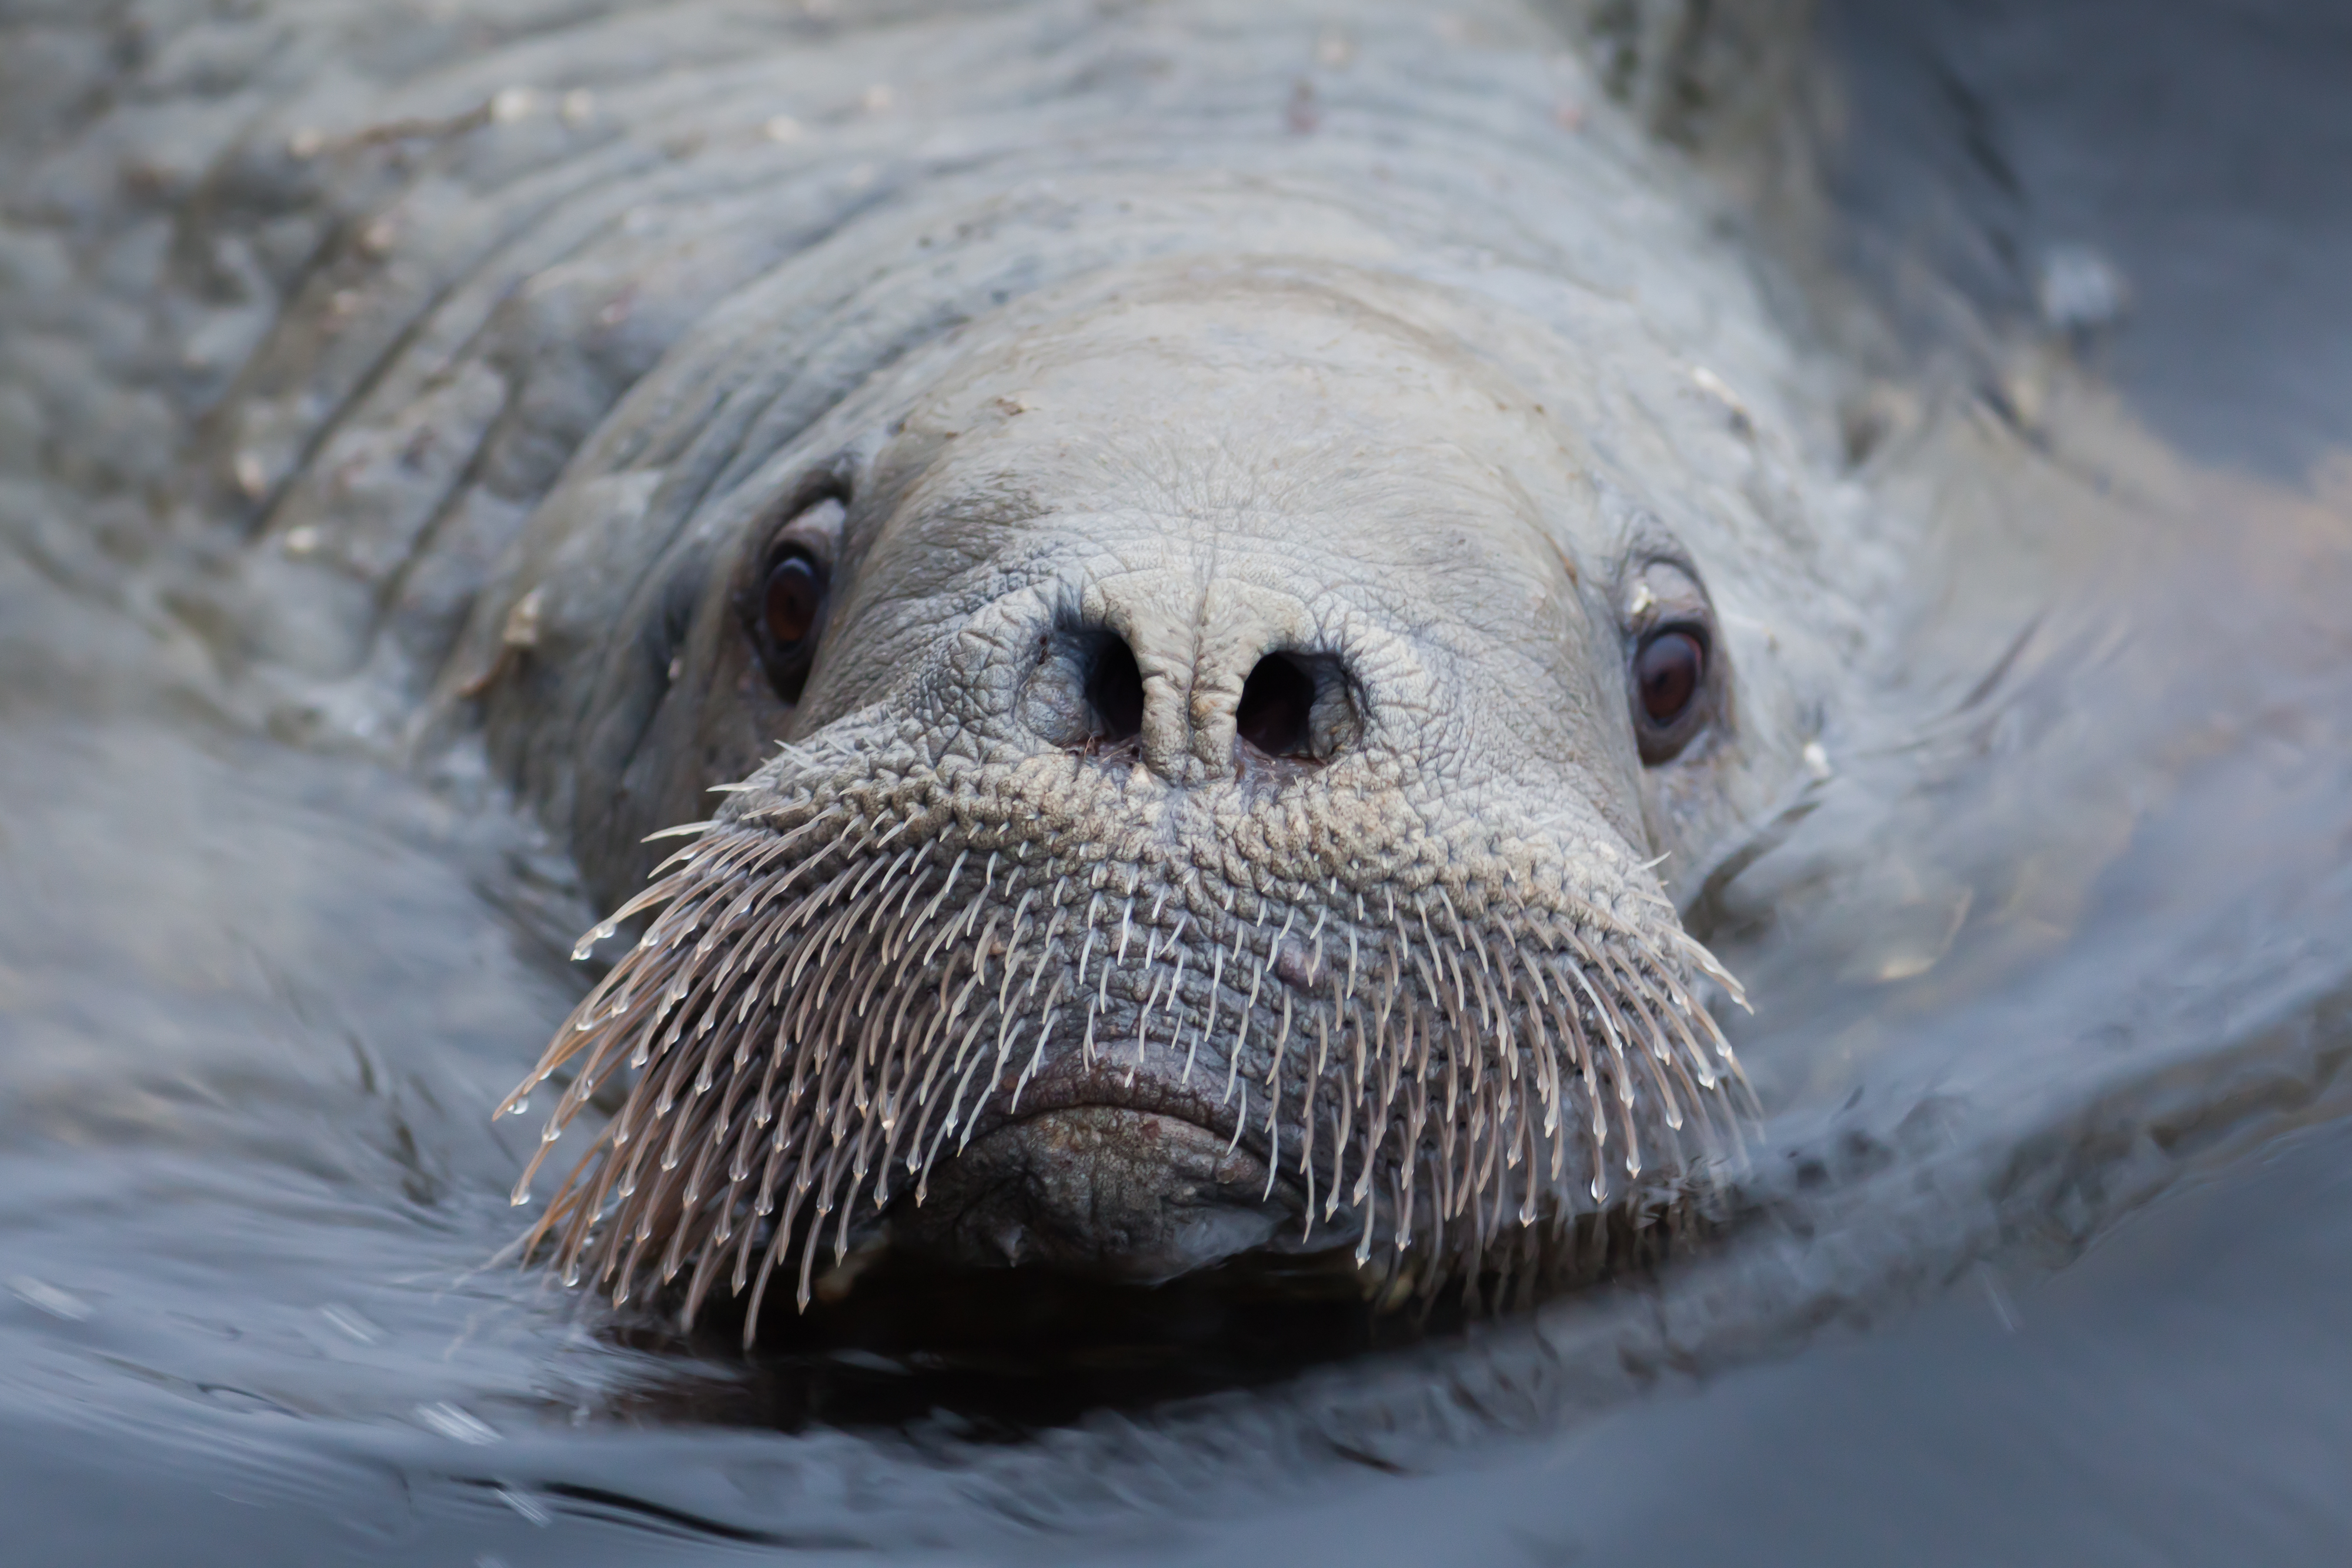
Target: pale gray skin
(1391, 349)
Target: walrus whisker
(864, 980)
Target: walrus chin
(876, 992)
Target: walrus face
(1221, 739)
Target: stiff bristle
(829, 993)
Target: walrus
(1230, 576)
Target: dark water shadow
(1003, 1355)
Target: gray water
(2042, 1257)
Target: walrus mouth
(1131, 1196)
(859, 992)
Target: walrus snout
(1230, 707)
(1131, 1195)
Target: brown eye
(1668, 670)
(789, 605)
(784, 618)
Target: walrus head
(1227, 737)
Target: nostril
(1276, 702)
(1115, 688)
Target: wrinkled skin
(1214, 803)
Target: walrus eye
(791, 605)
(794, 597)
(1669, 669)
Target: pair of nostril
(1273, 715)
